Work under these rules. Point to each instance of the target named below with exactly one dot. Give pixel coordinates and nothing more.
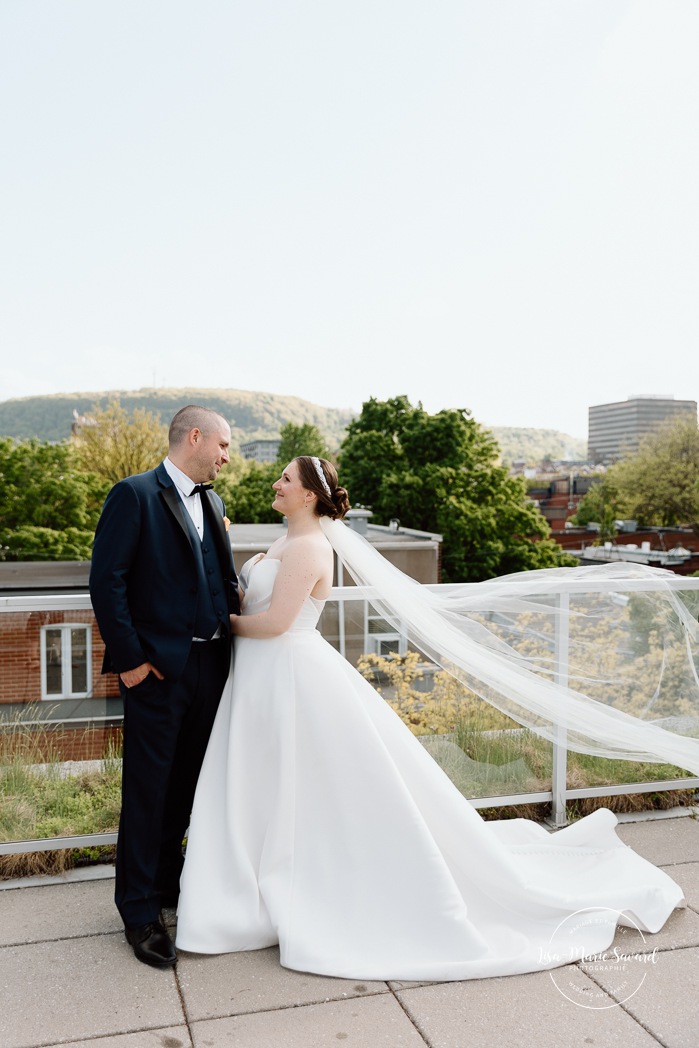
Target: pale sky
(488, 204)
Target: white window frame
(66, 661)
(374, 641)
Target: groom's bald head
(193, 417)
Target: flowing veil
(608, 653)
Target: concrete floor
(67, 977)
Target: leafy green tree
(48, 507)
(35, 543)
(439, 473)
(114, 443)
(659, 484)
(230, 476)
(246, 487)
(372, 450)
(300, 440)
(602, 505)
(250, 500)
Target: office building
(616, 430)
(261, 450)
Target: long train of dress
(321, 823)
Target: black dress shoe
(152, 944)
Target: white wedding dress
(322, 824)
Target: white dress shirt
(192, 503)
(184, 486)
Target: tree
(300, 440)
(602, 505)
(659, 484)
(250, 500)
(48, 507)
(439, 473)
(36, 543)
(246, 487)
(230, 476)
(372, 449)
(114, 443)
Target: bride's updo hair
(320, 476)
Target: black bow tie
(199, 489)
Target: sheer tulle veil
(607, 653)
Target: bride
(322, 824)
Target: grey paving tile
(404, 984)
(370, 1022)
(78, 873)
(667, 1002)
(527, 1010)
(681, 929)
(171, 1037)
(81, 988)
(57, 912)
(663, 841)
(687, 876)
(232, 983)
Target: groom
(163, 584)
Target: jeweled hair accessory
(321, 475)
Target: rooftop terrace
(68, 978)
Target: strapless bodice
(257, 578)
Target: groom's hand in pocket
(133, 677)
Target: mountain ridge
(253, 415)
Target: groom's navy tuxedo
(155, 587)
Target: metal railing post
(341, 609)
(559, 769)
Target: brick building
(559, 495)
(51, 660)
(641, 545)
(51, 651)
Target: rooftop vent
(358, 519)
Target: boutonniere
(226, 523)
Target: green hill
(535, 445)
(252, 416)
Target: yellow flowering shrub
(446, 708)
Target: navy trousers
(166, 730)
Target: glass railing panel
(629, 650)
(60, 723)
(60, 718)
(484, 753)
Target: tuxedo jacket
(143, 577)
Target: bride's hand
(234, 620)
